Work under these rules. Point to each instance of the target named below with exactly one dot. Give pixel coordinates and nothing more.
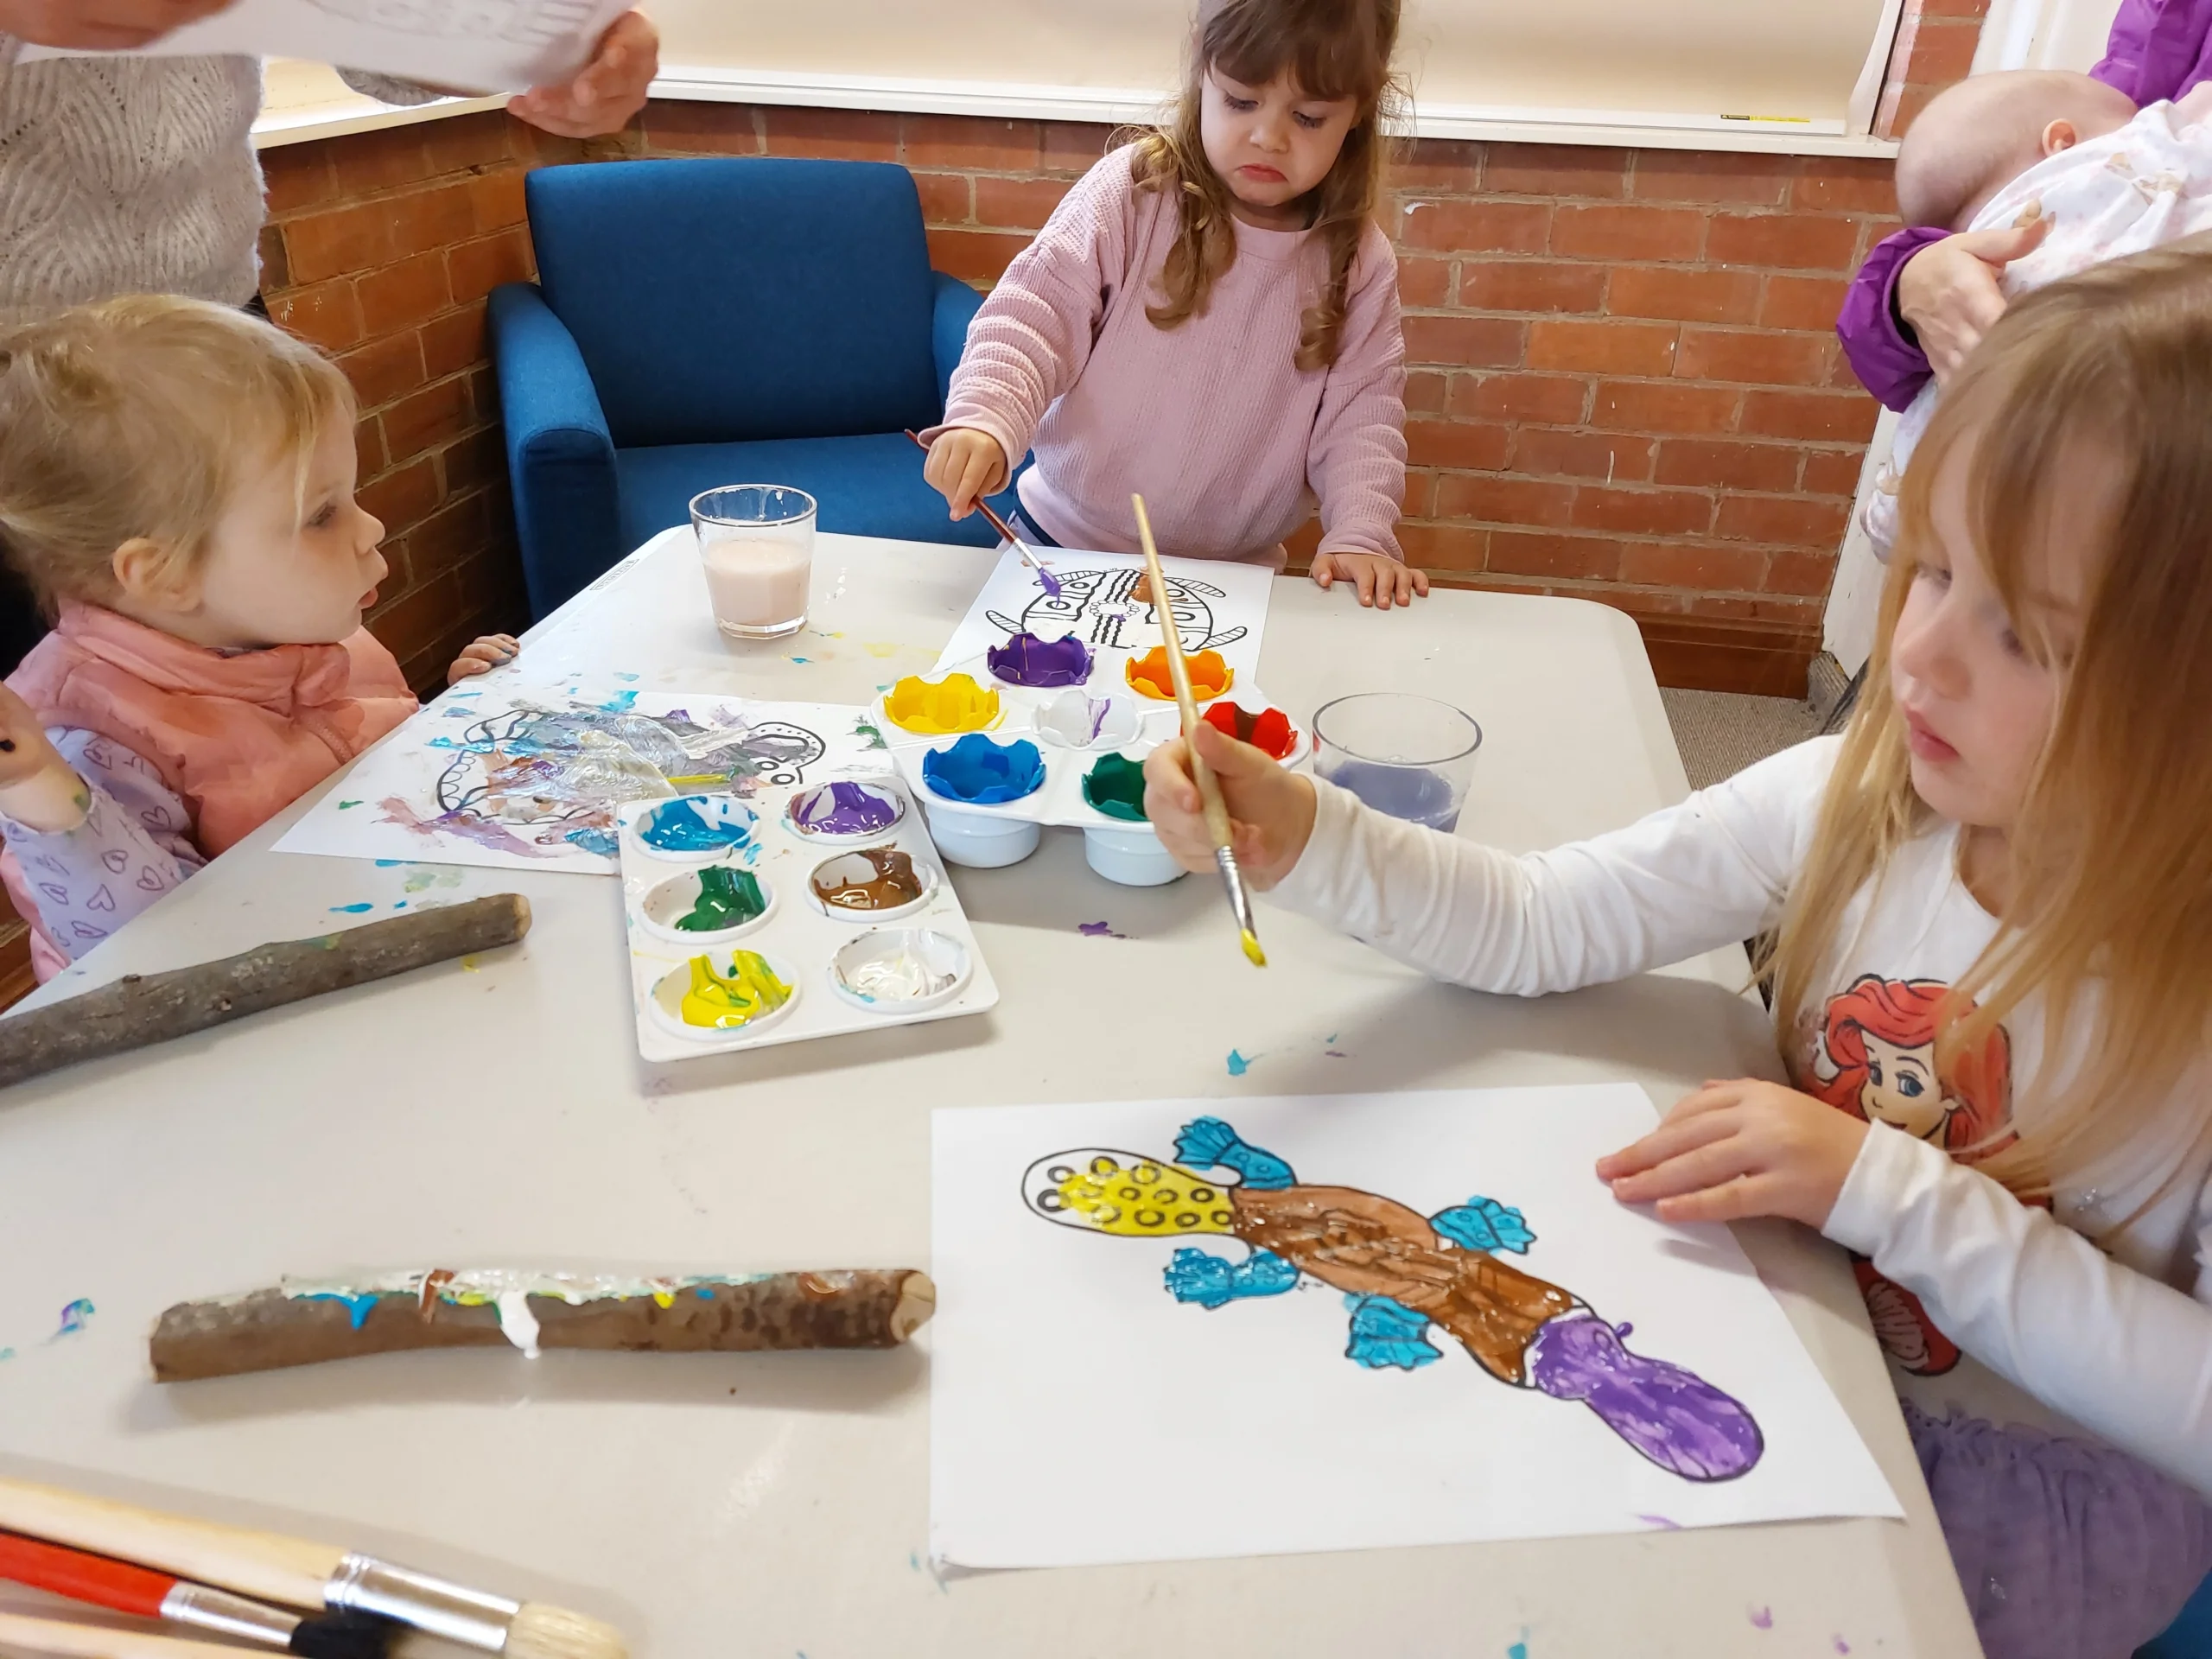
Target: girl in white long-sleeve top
(1992, 906)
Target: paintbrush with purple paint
(1028, 554)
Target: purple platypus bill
(1405, 1273)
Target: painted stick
(140, 1009)
(101, 1641)
(305, 1323)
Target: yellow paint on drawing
(940, 707)
(1145, 1199)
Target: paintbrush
(1216, 810)
(299, 1573)
(20, 1634)
(1028, 554)
(123, 1588)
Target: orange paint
(1210, 674)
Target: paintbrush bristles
(542, 1631)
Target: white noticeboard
(1101, 1396)
(479, 45)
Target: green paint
(1115, 787)
(728, 897)
(343, 805)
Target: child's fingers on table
(1674, 1136)
(1323, 570)
(1722, 1157)
(1740, 1199)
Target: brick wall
(1935, 46)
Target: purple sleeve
(1887, 363)
(131, 848)
(2156, 49)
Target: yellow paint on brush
(723, 1003)
(1145, 1200)
(941, 707)
(1253, 954)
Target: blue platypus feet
(1214, 1280)
(1484, 1224)
(1674, 1417)
(1385, 1333)
(1209, 1143)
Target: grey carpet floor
(1720, 733)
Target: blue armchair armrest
(956, 305)
(560, 456)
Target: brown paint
(893, 883)
(1355, 1242)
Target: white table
(716, 1506)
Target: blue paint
(706, 1294)
(977, 771)
(1206, 1142)
(1387, 1333)
(1484, 1224)
(7, 1353)
(625, 676)
(392, 863)
(620, 703)
(801, 661)
(696, 823)
(1215, 1281)
(351, 910)
(357, 1305)
(591, 838)
(1238, 1063)
(75, 1316)
(1518, 1650)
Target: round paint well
(1148, 675)
(900, 970)
(1075, 720)
(1131, 857)
(853, 875)
(843, 811)
(668, 992)
(981, 842)
(695, 829)
(1114, 788)
(1027, 660)
(697, 894)
(973, 771)
(1266, 729)
(941, 707)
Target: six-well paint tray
(801, 912)
(1045, 731)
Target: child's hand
(1382, 582)
(38, 788)
(1734, 1150)
(1270, 809)
(492, 650)
(25, 750)
(963, 463)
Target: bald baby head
(1975, 138)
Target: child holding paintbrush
(1212, 316)
(177, 483)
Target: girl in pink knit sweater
(1211, 317)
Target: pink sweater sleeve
(1357, 461)
(1034, 334)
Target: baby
(2007, 149)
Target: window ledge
(304, 101)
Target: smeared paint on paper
(75, 1316)
(1240, 1064)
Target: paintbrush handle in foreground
(97, 1642)
(1216, 810)
(142, 1008)
(264, 1564)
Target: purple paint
(1841, 1646)
(1414, 793)
(465, 825)
(843, 809)
(1024, 659)
(1661, 1522)
(1047, 581)
(1761, 1618)
(1098, 931)
(1676, 1419)
(980, 773)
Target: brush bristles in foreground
(1253, 954)
(541, 1631)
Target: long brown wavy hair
(2110, 922)
(1332, 48)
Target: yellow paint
(724, 1003)
(1253, 954)
(1146, 1200)
(881, 647)
(1148, 676)
(664, 1299)
(468, 965)
(940, 707)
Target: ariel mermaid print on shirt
(1875, 1058)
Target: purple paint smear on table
(1024, 659)
(1414, 793)
(980, 773)
(1761, 1618)
(844, 809)
(1674, 1417)
(1098, 931)
(1661, 1522)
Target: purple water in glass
(1414, 793)
(1674, 1417)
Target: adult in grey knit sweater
(122, 176)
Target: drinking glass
(1410, 757)
(757, 543)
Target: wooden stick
(272, 1329)
(100, 1641)
(139, 1009)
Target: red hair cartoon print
(1875, 1059)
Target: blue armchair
(728, 321)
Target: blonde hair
(2111, 860)
(1332, 48)
(141, 417)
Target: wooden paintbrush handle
(264, 1564)
(139, 1009)
(97, 1642)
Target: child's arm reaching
(1687, 879)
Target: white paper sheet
(1219, 605)
(1080, 1415)
(483, 46)
(420, 794)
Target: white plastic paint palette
(733, 883)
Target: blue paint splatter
(358, 1303)
(625, 676)
(620, 703)
(351, 910)
(75, 1316)
(802, 661)
(1519, 1650)
(1240, 1064)
(392, 863)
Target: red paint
(1268, 731)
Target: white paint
(516, 1322)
